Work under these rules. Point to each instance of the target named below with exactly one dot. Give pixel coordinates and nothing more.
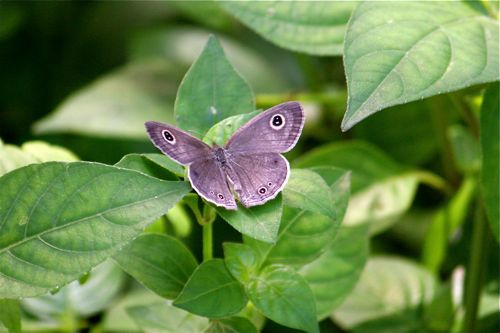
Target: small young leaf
(220, 133)
(160, 262)
(259, 222)
(211, 91)
(285, 297)
(241, 260)
(139, 162)
(10, 315)
(490, 146)
(314, 28)
(396, 52)
(211, 291)
(161, 317)
(58, 220)
(231, 325)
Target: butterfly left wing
(275, 130)
(257, 177)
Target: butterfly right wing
(177, 144)
(210, 182)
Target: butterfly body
(250, 164)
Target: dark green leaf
(396, 52)
(310, 27)
(285, 297)
(231, 325)
(241, 260)
(259, 222)
(160, 262)
(58, 220)
(210, 92)
(118, 104)
(490, 146)
(141, 163)
(439, 314)
(465, 149)
(335, 273)
(10, 315)
(211, 291)
(162, 318)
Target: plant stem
(207, 242)
(474, 277)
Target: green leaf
(310, 27)
(445, 223)
(381, 189)
(12, 157)
(162, 318)
(440, 312)
(335, 273)
(10, 315)
(465, 149)
(160, 262)
(220, 133)
(397, 52)
(303, 235)
(285, 297)
(118, 104)
(212, 292)
(206, 13)
(166, 163)
(58, 220)
(387, 287)
(259, 222)
(141, 163)
(211, 91)
(77, 300)
(308, 191)
(231, 325)
(490, 146)
(241, 260)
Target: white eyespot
(220, 196)
(169, 137)
(277, 121)
(262, 190)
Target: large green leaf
(161, 317)
(10, 315)
(211, 91)
(490, 146)
(12, 157)
(231, 325)
(160, 262)
(310, 27)
(211, 291)
(397, 52)
(118, 104)
(382, 189)
(388, 286)
(141, 163)
(58, 220)
(335, 273)
(285, 297)
(259, 222)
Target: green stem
(207, 242)
(474, 277)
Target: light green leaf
(241, 260)
(397, 52)
(335, 273)
(212, 292)
(118, 104)
(160, 262)
(310, 27)
(12, 157)
(10, 315)
(490, 146)
(388, 286)
(141, 163)
(80, 300)
(285, 297)
(465, 149)
(259, 222)
(166, 163)
(231, 325)
(218, 89)
(58, 220)
(160, 317)
(220, 133)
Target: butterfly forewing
(274, 130)
(177, 144)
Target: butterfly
(250, 165)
